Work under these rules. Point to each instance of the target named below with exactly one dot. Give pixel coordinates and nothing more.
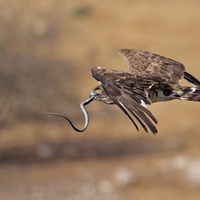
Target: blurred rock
(105, 187)
(178, 162)
(125, 177)
(45, 151)
(192, 172)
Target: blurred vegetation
(31, 83)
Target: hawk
(151, 78)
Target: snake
(86, 115)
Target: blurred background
(46, 51)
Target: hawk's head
(100, 95)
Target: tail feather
(190, 94)
(191, 79)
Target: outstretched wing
(153, 66)
(128, 93)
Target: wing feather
(153, 66)
(140, 111)
(137, 110)
(127, 94)
(121, 105)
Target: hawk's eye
(98, 90)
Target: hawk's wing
(128, 93)
(153, 66)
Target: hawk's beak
(93, 94)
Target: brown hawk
(151, 78)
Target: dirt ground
(47, 50)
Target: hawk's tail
(190, 93)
